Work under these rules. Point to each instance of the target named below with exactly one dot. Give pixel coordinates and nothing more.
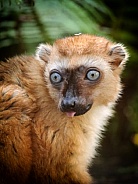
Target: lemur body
(53, 109)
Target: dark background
(25, 24)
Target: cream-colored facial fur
(59, 103)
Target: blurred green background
(26, 23)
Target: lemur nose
(69, 103)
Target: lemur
(54, 107)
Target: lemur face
(82, 71)
(71, 85)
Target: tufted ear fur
(118, 55)
(43, 52)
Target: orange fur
(38, 142)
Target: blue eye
(55, 77)
(93, 75)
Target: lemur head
(82, 71)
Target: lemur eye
(55, 77)
(93, 75)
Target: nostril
(72, 104)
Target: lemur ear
(118, 55)
(43, 52)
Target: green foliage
(50, 19)
(131, 113)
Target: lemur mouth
(76, 111)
